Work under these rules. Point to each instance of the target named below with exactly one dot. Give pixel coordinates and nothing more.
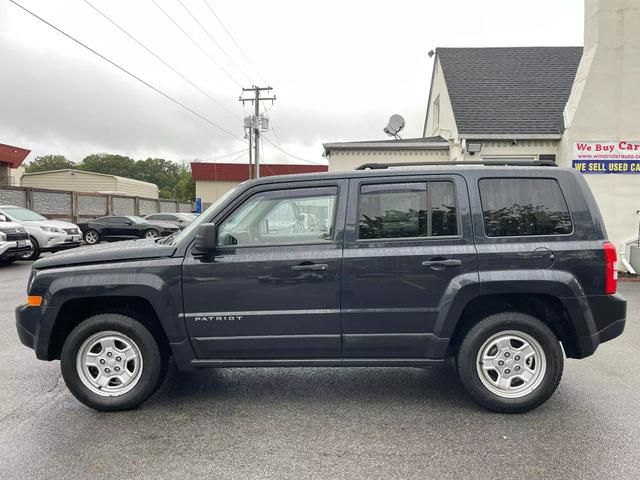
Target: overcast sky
(339, 68)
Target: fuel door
(543, 258)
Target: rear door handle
(310, 267)
(448, 262)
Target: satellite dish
(395, 126)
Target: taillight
(611, 274)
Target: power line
(290, 154)
(234, 41)
(214, 41)
(132, 75)
(224, 155)
(197, 44)
(165, 63)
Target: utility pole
(255, 124)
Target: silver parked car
(44, 235)
(14, 241)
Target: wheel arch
(76, 310)
(548, 308)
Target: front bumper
(34, 328)
(10, 249)
(54, 242)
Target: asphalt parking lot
(318, 423)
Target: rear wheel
(510, 362)
(34, 252)
(112, 362)
(91, 237)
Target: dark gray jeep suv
(505, 268)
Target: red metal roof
(14, 156)
(240, 171)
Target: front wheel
(91, 237)
(34, 252)
(112, 362)
(151, 233)
(510, 362)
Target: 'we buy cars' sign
(606, 157)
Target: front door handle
(310, 267)
(445, 262)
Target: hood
(49, 223)
(107, 252)
(10, 226)
(163, 224)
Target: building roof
(515, 90)
(420, 143)
(86, 172)
(14, 156)
(239, 172)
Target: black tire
(88, 237)
(153, 366)
(35, 252)
(489, 328)
(151, 233)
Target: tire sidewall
(91, 231)
(35, 254)
(153, 362)
(483, 330)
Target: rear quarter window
(514, 207)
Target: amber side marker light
(34, 300)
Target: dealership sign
(606, 157)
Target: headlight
(52, 229)
(3, 236)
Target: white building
(578, 106)
(89, 182)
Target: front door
(408, 239)
(273, 288)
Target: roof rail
(492, 163)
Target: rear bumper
(609, 317)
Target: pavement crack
(30, 399)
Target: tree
(108, 163)
(173, 179)
(49, 162)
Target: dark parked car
(180, 219)
(114, 228)
(506, 269)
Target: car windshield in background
(135, 219)
(23, 214)
(200, 218)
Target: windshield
(196, 223)
(22, 214)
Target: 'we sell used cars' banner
(606, 157)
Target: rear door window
(514, 207)
(407, 210)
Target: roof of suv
(412, 170)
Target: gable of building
(507, 91)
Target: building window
(407, 210)
(436, 113)
(514, 207)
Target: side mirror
(3, 218)
(206, 238)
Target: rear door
(407, 239)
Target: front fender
(158, 283)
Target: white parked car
(14, 241)
(45, 235)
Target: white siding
(209, 191)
